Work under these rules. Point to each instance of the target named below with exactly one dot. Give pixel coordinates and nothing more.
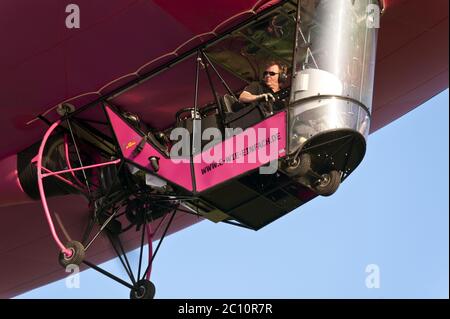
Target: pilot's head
(273, 75)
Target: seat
(231, 104)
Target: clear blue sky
(393, 211)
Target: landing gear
(144, 289)
(300, 166)
(327, 184)
(77, 256)
(323, 181)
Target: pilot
(263, 91)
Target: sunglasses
(266, 73)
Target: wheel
(144, 290)
(302, 165)
(328, 183)
(77, 257)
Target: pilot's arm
(247, 97)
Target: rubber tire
(330, 186)
(77, 256)
(148, 290)
(303, 166)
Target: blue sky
(393, 212)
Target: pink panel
(178, 173)
(268, 143)
(245, 153)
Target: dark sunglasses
(269, 73)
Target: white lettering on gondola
(249, 146)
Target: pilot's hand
(266, 97)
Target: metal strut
(107, 274)
(79, 157)
(141, 249)
(113, 239)
(198, 61)
(216, 97)
(160, 242)
(218, 74)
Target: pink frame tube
(40, 177)
(67, 252)
(60, 178)
(81, 168)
